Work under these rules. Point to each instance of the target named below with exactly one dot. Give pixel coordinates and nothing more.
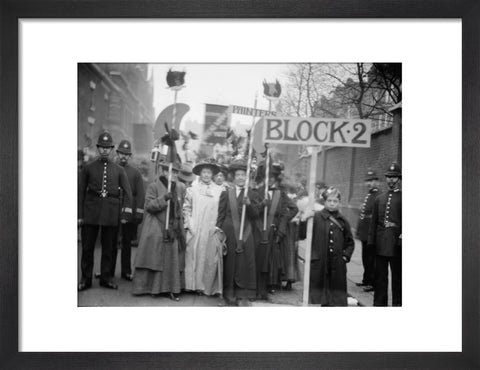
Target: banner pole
(249, 163)
(174, 113)
(308, 247)
(267, 175)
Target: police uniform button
(331, 241)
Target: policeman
(386, 235)
(98, 208)
(129, 229)
(363, 225)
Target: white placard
(317, 131)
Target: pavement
(98, 296)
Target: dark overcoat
(365, 217)
(238, 268)
(330, 243)
(138, 191)
(269, 257)
(386, 225)
(95, 209)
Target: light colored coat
(203, 255)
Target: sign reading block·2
(317, 131)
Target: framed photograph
(60, 70)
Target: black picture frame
(12, 10)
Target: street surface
(98, 296)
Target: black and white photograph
(246, 194)
(239, 184)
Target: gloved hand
(137, 218)
(246, 201)
(266, 203)
(279, 236)
(168, 196)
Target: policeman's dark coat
(138, 191)
(365, 217)
(239, 268)
(103, 211)
(387, 208)
(328, 283)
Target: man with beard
(386, 235)
(98, 208)
(129, 229)
(363, 226)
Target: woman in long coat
(239, 278)
(203, 255)
(158, 263)
(269, 257)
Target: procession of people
(207, 230)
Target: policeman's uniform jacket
(386, 225)
(99, 193)
(138, 191)
(366, 210)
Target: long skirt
(169, 280)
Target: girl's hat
(331, 191)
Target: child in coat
(332, 248)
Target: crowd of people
(207, 229)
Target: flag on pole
(272, 89)
(175, 78)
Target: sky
(224, 84)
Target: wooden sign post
(311, 203)
(315, 132)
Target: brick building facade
(345, 167)
(118, 98)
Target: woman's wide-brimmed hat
(206, 163)
(237, 164)
(175, 165)
(276, 170)
(186, 173)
